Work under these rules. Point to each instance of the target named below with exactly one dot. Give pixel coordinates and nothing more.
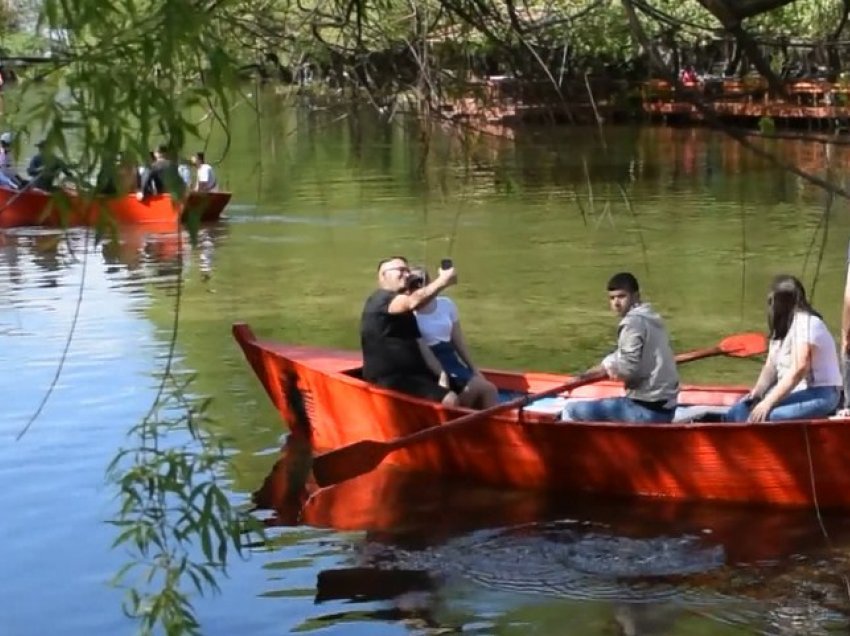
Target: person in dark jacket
(44, 168)
(161, 177)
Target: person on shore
(161, 177)
(643, 360)
(442, 337)
(389, 334)
(205, 180)
(801, 377)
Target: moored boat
(792, 463)
(63, 208)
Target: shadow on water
(651, 563)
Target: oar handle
(434, 431)
(699, 353)
(585, 378)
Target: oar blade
(349, 461)
(743, 345)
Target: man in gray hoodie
(643, 360)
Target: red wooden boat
(792, 463)
(62, 208)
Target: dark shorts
(423, 386)
(459, 374)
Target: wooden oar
(361, 457)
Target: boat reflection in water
(47, 252)
(652, 563)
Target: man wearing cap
(44, 167)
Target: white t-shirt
(7, 162)
(436, 326)
(825, 369)
(206, 178)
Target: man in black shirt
(389, 333)
(162, 177)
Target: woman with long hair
(444, 348)
(801, 378)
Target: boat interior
(697, 403)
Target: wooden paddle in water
(361, 457)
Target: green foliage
(130, 78)
(175, 520)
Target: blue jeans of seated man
(816, 401)
(619, 409)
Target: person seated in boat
(44, 168)
(8, 174)
(389, 334)
(162, 177)
(142, 170)
(801, 377)
(445, 350)
(184, 168)
(643, 360)
(205, 180)
(845, 342)
(7, 182)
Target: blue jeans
(816, 401)
(619, 409)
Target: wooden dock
(509, 101)
(808, 101)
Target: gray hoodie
(644, 359)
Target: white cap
(6, 138)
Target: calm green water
(536, 224)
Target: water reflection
(132, 248)
(653, 564)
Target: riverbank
(813, 104)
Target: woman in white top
(205, 180)
(445, 350)
(801, 378)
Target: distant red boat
(794, 463)
(65, 209)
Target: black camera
(414, 282)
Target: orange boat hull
(793, 463)
(391, 502)
(34, 207)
